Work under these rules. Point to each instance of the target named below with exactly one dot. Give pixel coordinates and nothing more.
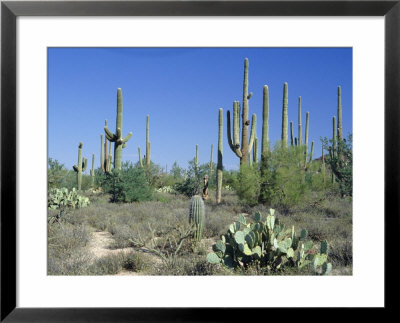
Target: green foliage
(61, 198)
(340, 160)
(194, 179)
(56, 173)
(247, 184)
(268, 244)
(127, 185)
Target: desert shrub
(247, 184)
(191, 185)
(127, 185)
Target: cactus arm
(129, 135)
(252, 132)
(234, 147)
(109, 135)
(236, 128)
(307, 125)
(245, 114)
(84, 164)
(255, 150)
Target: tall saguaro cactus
(140, 158)
(300, 134)
(116, 137)
(291, 134)
(265, 126)
(284, 136)
(148, 152)
(311, 152)
(339, 113)
(219, 164)
(242, 151)
(101, 154)
(92, 170)
(196, 160)
(81, 167)
(255, 151)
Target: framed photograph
(233, 119)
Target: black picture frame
(10, 10)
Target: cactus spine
(92, 170)
(244, 151)
(339, 112)
(197, 215)
(119, 142)
(265, 139)
(81, 167)
(300, 140)
(284, 136)
(219, 163)
(147, 142)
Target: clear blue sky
(182, 89)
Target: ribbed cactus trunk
(265, 139)
(311, 152)
(255, 151)
(334, 139)
(306, 137)
(300, 134)
(242, 151)
(148, 148)
(197, 216)
(81, 167)
(140, 158)
(339, 112)
(101, 154)
(106, 160)
(92, 170)
(119, 142)
(284, 136)
(291, 134)
(219, 163)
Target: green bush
(127, 185)
(247, 184)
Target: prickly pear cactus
(268, 242)
(197, 215)
(59, 198)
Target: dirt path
(99, 247)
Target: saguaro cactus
(219, 164)
(311, 152)
(339, 112)
(148, 152)
(265, 139)
(284, 136)
(306, 136)
(119, 142)
(291, 134)
(243, 150)
(197, 215)
(92, 170)
(300, 134)
(140, 158)
(81, 167)
(255, 150)
(101, 154)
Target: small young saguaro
(116, 137)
